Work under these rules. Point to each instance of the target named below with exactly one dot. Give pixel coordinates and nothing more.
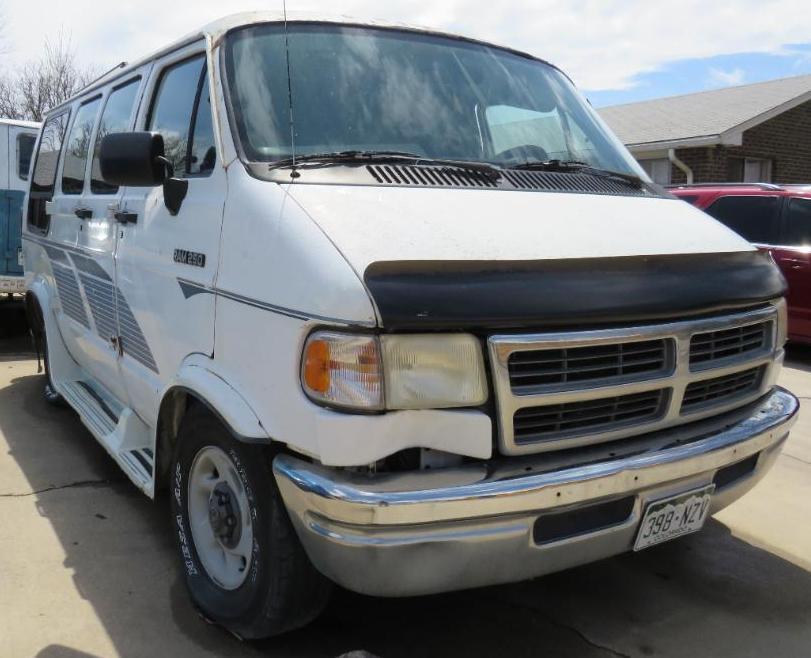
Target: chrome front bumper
(431, 531)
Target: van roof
(217, 29)
(20, 123)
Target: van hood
(439, 258)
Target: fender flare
(196, 378)
(41, 294)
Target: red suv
(775, 218)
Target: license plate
(674, 517)
(12, 284)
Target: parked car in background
(393, 309)
(17, 140)
(775, 218)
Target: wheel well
(33, 314)
(175, 405)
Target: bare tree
(3, 45)
(44, 83)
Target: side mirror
(137, 159)
(132, 159)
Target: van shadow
(710, 594)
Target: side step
(125, 436)
(94, 411)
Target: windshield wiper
(361, 157)
(576, 166)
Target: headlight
(431, 371)
(343, 370)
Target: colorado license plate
(673, 517)
(12, 284)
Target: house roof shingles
(703, 114)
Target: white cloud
(722, 78)
(602, 44)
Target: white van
(392, 309)
(16, 146)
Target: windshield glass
(368, 89)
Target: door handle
(83, 213)
(124, 217)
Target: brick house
(751, 133)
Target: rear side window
(114, 119)
(44, 177)
(798, 223)
(689, 198)
(25, 149)
(73, 171)
(181, 112)
(755, 218)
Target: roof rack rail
(120, 65)
(765, 186)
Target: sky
(616, 51)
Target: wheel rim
(220, 518)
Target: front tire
(244, 566)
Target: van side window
(754, 218)
(44, 177)
(181, 112)
(25, 149)
(798, 224)
(73, 171)
(114, 119)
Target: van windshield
(370, 89)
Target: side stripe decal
(89, 266)
(68, 290)
(191, 289)
(102, 305)
(109, 309)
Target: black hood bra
(485, 295)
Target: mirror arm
(174, 189)
(167, 163)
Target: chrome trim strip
(508, 401)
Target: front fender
(38, 293)
(197, 377)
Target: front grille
(717, 390)
(558, 368)
(561, 390)
(712, 346)
(570, 419)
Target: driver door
(161, 254)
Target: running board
(94, 412)
(125, 436)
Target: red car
(775, 218)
